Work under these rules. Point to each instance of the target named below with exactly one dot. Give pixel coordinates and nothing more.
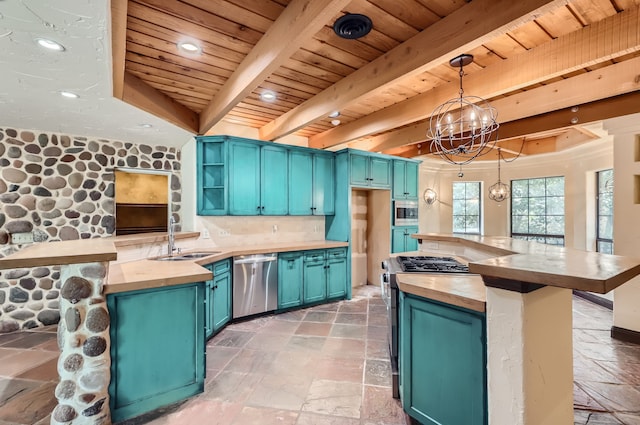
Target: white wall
(578, 166)
(626, 206)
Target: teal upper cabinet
(257, 179)
(442, 362)
(369, 171)
(311, 183)
(211, 176)
(405, 179)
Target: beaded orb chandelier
(461, 129)
(499, 191)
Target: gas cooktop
(426, 264)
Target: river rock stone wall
(83, 338)
(61, 187)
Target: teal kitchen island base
(157, 348)
(443, 377)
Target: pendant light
(461, 129)
(499, 191)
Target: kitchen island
(528, 303)
(119, 327)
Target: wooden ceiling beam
(141, 95)
(612, 37)
(616, 106)
(298, 23)
(118, 44)
(481, 20)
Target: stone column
(83, 338)
(530, 356)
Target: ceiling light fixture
(145, 125)
(335, 122)
(190, 47)
(334, 114)
(50, 44)
(268, 96)
(69, 94)
(461, 129)
(499, 191)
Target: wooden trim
(481, 19)
(141, 95)
(594, 44)
(596, 299)
(118, 44)
(626, 335)
(511, 285)
(295, 26)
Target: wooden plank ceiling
(546, 65)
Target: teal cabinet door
(273, 181)
(336, 272)
(324, 183)
(300, 183)
(315, 277)
(359, 170)
(399, 176)
(290, 278)
(443, 363)
(398, 240)
(411, 180)
(380, 172)
(221, 301)
(157, 355)
(211, 174)
(244, 178)
(411, 244)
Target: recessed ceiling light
(190, 47)
(268, 96)
(334, 114)
(335, 122)
(50, 44)
(69, 94)
(145, 125)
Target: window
(466, 207)
(604, 219)
(537, 210)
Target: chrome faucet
(172, 236)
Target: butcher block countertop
(462, 290)
(531, 262)
(146, 273)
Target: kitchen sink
(187, 256)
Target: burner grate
(427, 264)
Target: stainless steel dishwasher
(255, 284)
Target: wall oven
(390, 294)
(405, 213)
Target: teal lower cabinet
(336, 272)
(157, 348)
(290, 278)
(442, 363)
(218, 297)
(401, 240)
(314, 277)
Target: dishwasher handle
(252, 260)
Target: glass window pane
(605, 204)
(473, 207)
(466, 207)
(605, 247)
(555, 186)
(472, 224)
(555, 205)
(536, 187)
(520, 206)
(537, 224)
(536, 206)
(458, 190)
(520, 224)
(605, 228)
(473, 190)
(519, 188)
(555, 225)
(458, 224)
(458, 207)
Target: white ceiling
(31, 77)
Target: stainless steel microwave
(405, 213)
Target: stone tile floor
(325, 365)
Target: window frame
(539, 237)
(599, 239)
(453, 201)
